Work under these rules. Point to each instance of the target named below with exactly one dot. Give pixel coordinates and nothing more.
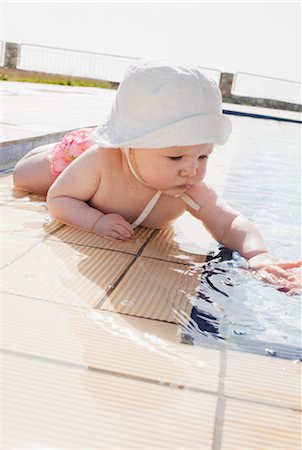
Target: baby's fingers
(123, 231)
(278, 271)
(288, 264)
(268, 277)
(121, 222)
(126, 226)
(284, 283)
(281, 284)
(115, 236)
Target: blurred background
(251, 49)
(262, 38)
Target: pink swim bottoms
(72, 145)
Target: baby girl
(145, 164)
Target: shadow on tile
(153, 289)
(65, 273)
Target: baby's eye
(202, 157)
(174, 158)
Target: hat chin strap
(153, 200)
(127, 153)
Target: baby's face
(172, 170)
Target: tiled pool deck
(92, 354)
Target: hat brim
(201, 129)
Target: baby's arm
(67, 197)
(226, 224)
(236, 232)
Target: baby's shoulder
(102, 156)
(105, 154)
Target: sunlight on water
(232, 305)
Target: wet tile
(50, 405)
(27, 222)
(64, 273)
(145, 349)
(13, 197)
(258, 426)
(187, 241)
(256, 377)
(75, 236)
(14, 247)
(155, 290)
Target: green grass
(15, 75)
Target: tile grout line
(53, 233)
(122, 275)
(89, 245)
(75, 307)
(136, 254)
(59, 241)
(182, 263)
(39, 241)
(79, 366)
(220, 405)
(45, 300)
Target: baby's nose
(189, 170)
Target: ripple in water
(234, 309)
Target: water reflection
(234, 307)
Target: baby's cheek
(156, 178)
(202, 172)
(164, 173)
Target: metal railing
(100, 66)
(256, 86)
(80, 64)
(72, 62)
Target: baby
(145, 164)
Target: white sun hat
(162, 104)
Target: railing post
(11, 55)
(225, 84)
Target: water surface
(232, 306)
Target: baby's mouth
(184, 186)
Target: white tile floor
(79, 377)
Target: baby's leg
(32, 173)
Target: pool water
(232, 307)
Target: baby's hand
(279, 273)
(113, 226)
